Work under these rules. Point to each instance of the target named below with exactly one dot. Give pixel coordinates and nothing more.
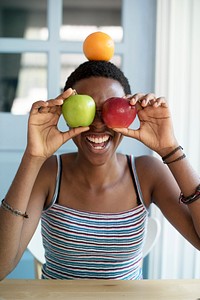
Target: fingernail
(144, 101)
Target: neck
(98, 175)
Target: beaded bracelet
(192, 198)
(171, 153)
(15, 212)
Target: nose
(99, 114)
(98, 121)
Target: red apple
(118, 113)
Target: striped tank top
(92, 245)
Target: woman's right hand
(44, 137)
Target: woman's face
(99, 143)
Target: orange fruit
(98, 46)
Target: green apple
(79, 110)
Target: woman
(94, 203)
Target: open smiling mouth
(98, 143)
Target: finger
(128, 96)
(141, 100)
(148, 99)
(54, 102)
(36, 106)
(66, 94)
(161, 101)
(155, 102)
(43, 110)
(131, 100)
(128, 132)
(74, 132)
(50, 109)
(48, 106)
(136, 100)
(45, 106)
(52, 105)
(136, 97)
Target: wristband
(192, 198)
(15, 212)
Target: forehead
(100, 88)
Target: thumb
(128, 132)
(67, 135)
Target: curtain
(177, 77)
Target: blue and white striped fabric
(90, 245)
(81, 245)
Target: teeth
(98, 140)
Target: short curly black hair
(98, 69)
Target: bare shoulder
(153, 169)
(48, 171)
(159, 179)
(49, 166)
(149, 165)
(51, 163)
(154, 177)
(45, 182)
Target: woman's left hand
(156, 129)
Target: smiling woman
(93, 203)
(138, 64)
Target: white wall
(178, 78)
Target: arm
(11, 226)
(165, 193)
(156, 132)
(187, 181)
(29, 189)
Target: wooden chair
(36, 248)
